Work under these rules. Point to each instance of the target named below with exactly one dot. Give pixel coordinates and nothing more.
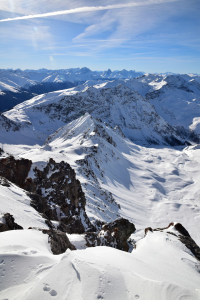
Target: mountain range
(109, 167)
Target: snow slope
(118, 106)
(152, 185)
(160, 268)
(13, 82)
(15, 201)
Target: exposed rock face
(186, 239)
(66, 201)
(114, 234)
(9, 223)
(182, 234)
(59, 241)
(148, 229)
(15, 170)
(55, 192)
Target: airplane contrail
(87, 9)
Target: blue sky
(143, 35)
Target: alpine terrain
(99, 185)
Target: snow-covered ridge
(118, 106)
(148, 186)
(14, 79)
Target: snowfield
(159, 268)
(125, 139)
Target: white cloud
(88, 9)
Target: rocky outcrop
(55, 192)
(9, 223)
(186, 239)
(114, 234)
(15, 170)
(59, 241)
(65, 200)
(182, 234)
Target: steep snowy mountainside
(13, 82)
(175, 97)
(15, 201)
(153, 186)
(95, 146)
(118, 106)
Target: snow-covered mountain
(87, 156)
(117, 105)
(17, 86)
(14, 79)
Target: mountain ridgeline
(151, 109)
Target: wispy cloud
(88, 9)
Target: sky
(153, 36)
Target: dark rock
(59, 241)
(15, 170)
(38, 202)
(191, 245)
(72, 224)
(184, 237)
(55, 191)
(148, 229)
(114, 234)
(3, 227)
(57, 183)
(9, 223)
(179, 227)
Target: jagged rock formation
(15, 170)
(57, 183)
(55, 192)
(114, 234)
(59, 241)
(183, 235)
(9, 223)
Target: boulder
(9, 223)
(114, 234)
(59, 241)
